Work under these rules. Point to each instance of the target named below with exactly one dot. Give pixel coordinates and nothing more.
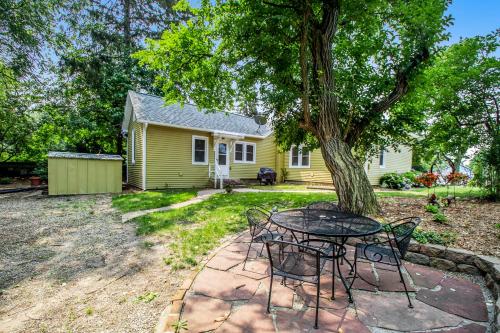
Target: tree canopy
(328, 73)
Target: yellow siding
(265, 157)
(135, 170)
(395, 161)
(316, 173)
(169, 158)
(84, 176)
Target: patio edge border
(171, 314)
(458, 260)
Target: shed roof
(152, 109)
(63, 154)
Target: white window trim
(383, 153)
(299, 166)
(197, 137)
(132, 146)
(245, 144)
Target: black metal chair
(297, 262)
(259, 225)
(326, 205)
(390, 251)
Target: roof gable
(152, 109)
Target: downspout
(144, 155)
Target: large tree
(460, 93)
(328, 72)
(96, 69)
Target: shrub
(399, 181)
(392, 180)
(432, 209)
(5, 181)
(440, 217)
(433, 237)
(427, 179)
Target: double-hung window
(381, 161)
(132, 145)
(244, 152)
(300, 157)
(200, 150)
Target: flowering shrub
(427, 179)
(456, 178)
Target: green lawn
(197, 228)
(441, 191)
(151, 199)
(288, 187)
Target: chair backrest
(293, 259)
(257, 220)
(402, 230)
(326, 205)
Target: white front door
(222, 158)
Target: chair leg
(269, 298)
(404, 285)
(262, 249)
(333, 278)
(317, 303)
(248, 251)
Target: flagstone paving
(226, 298)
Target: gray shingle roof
(152, 109)
(63, 154)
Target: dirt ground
(68, 264)
(476, 223)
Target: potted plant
(39, 174)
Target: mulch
(474, 222)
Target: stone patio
(226, 298)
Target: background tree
(460, 93)
(96, 69)
(330, 72)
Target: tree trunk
(353, 188)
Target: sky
(473, 17)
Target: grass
(151, 199)
(288, 187)
(198, 228)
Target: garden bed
(474, 224)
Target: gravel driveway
(68, 264)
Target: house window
(381, 162)
(300, 157)
(132, 145)
(200, 150)
(244, 152)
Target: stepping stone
(303, 321)
(251, 317)
(457, 296)
(282, 296)
(224, 285)
(365, 271)
(243, 248)
(307, 293)
(423, 276)
(204, 313)
(225, 260)
(471, 328)
(244, 238)
(390, 281)
(391, 311)
(254, 269)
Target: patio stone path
(226, 298)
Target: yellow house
(178, 146)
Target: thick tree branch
(307, 122)
(402, 78)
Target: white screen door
(223, 159)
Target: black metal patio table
(329, 226)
